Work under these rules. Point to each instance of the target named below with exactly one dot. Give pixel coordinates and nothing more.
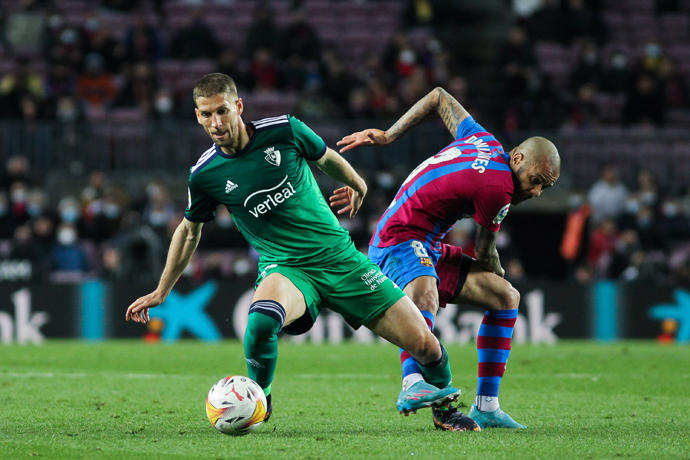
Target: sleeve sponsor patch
(501, 214)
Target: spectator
(607, 196)
(195, 40)
(583, 22)
(159, 209)
(300, 38)
(24, 27)
(67, 254)
(263, 32)
(7, 224)
(588, 69)
(16, 170)
(64, 42)
(518, 62)
(101, 41)
(142, 42)
(139, 88)
(645, 101)
(95, 87)
(264, 71)
(18, 87)
(602, 243)
(617, 77)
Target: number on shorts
(419, 249)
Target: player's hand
(366, 137)
(138, 311)
(494, 266)
(350, 199)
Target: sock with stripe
(493, 349)
(266, 318)
(411, 373)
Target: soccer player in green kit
(307, 261)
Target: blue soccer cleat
(422, 394)
(495, 419)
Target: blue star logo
(680, 311)
(186, 312)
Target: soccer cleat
(269, 408)
(422, 394)
(451, 419)
(495, 419)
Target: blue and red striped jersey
(469, 177)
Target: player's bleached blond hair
(214, 83)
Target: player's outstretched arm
(339, 169)
(182, 246)
(486, 252)
(437, 101)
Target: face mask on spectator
(34, 209)
(92, 24)
(632, 206)
(164, 105)
(69, 214)
(18, 195)
(619, 61)
(157, 218)
(67, 236)
(111, 211)
(669, 209)
(652, 50)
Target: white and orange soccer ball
(236, 405)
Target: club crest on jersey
(230, 186)
(426, 261)
(501, 214)
(272, 156)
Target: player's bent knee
(426, 301)
(425, 347)
(511, 297)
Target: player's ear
(240, 106)
(198, 115)
(516, 158)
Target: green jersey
(271, 193)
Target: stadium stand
(105, 90)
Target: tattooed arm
(486, 252)
(438, 101)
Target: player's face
(531, 179)
(220, 117)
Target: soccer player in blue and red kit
(471, 177)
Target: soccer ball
(236, 405)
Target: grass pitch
(127, 399)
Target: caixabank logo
(24, 326)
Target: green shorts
(352, 286)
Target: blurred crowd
(612, 232)
(107, 228)
(640, 232)
(564, 66)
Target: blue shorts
(406, 261)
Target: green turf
(127, 399)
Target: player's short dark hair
(214, 83)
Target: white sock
(486, 403)
(410, 380)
